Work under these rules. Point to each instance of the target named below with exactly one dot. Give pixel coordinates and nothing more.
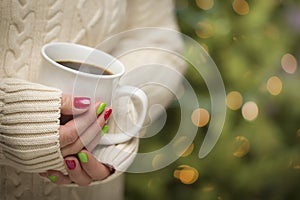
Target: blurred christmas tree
(255, 45)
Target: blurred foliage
(254, 158)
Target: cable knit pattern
(19, 40)
(25, 26)
(54, 17)
(29, 122)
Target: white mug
(85, 84)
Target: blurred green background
(256, 46)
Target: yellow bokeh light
(205, 47)
(234, 100)
(205, 4)
(241, 146)
(208, 188)
(204, 30)
(274, 85)
(180, 148)
(289, 63)
(150, 184)
(186, 174)
(241, 7)
(297, 167)
(200, 117)
(295, 163)
(158, 159)
(188, 151)
(250, 111)
(298, 132)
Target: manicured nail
(101, 108)
(104, 130)
(70, 164)
(82, 102)
(107, 114)
(53, 178)
(83, 157)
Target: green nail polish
(53, 178)
(83, 157)
(104, 130)
(101, 108)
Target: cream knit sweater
(29, 112)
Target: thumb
(75, 106)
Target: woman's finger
(70, 132)
(56, 177)
(90, 138)
(96, 170)
(76, 173)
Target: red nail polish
(107, 114)
(81, 102)
(70, 164)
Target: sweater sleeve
(29, 123)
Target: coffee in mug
(84, 67)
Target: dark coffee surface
(83, 67)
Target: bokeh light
(234, 100)
(241, 7)
(295, 163)
(241, 146)
(298, 132)
(205, 4)
(188, 151)
(186, 174)
(158, 159)
(205, 47)
(200, 117)
(289, 63)
(204, 30)
(208, 188)
(250, 110)
(181, 142)
(274, 85)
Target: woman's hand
(82, 170)
(86, 127)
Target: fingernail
(104, 130)
(53, 178)
(82, 102)
(70, 164)
(107, 114)
(83, 157)
(101, 108)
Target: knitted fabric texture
(29, 123)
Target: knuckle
(66, 102)
(73, 150)
(70, 137)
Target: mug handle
(115, 138)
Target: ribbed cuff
(120, 156)
(29, 123)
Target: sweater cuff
(29, 124)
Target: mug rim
(77, 72)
